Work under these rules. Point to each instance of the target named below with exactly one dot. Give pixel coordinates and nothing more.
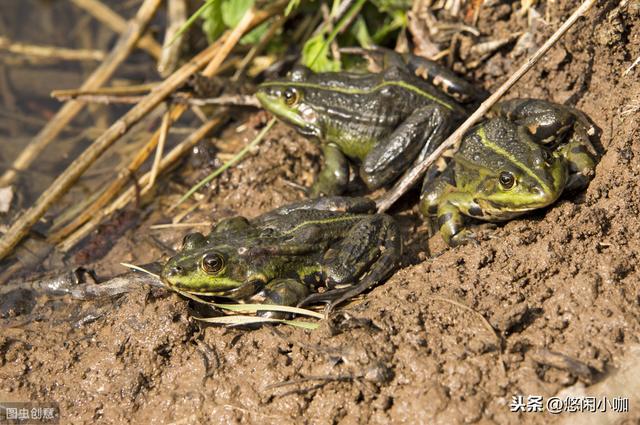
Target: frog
(522, 158)
(376, 123)
(337, 245)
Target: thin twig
(121, 179)
(101, 74)
(92, 216)
(227, 164)
(130, 194)
(114, 21)
(164, 130)
(51, 52)
(413, 175)
(484, 322)
(68, 94)
(176, 17)
(180, 225)
(60, 186)
(224, 100)
(271, 32)
(633, 65)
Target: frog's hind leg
(288, 292)
(345, 204)
(547, 122)
(373, 245)
(443, 78)
(416, 137)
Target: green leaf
(234, 10)
(315, 55)
(361, 33)
(256, 34)
(213, 25)
(399, 20)
(293, 4)
(204, 8)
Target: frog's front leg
(581, 162)
(435, 204)
(334, 175)
(450, 223)
(374, 245)
(288, 292)
(419, 135)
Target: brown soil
(417, 349)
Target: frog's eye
(291, 96)
(212, 263)
(193, 240)
(507, 180)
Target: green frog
(379, 123)
(285, 256)
(520, 160)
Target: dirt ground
(560, 287)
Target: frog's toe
(304, 189)
(463, 237)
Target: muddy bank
(560, 286)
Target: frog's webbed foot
(463, 237)
(304, 189)
(419, 135)
(288, 292)
(373, 245)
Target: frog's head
(517, 175)
(210, 269)
(292, 101)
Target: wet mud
(543, 303)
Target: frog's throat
(279, 109)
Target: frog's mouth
(302, 117)
(199, 283)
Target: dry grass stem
(60, 186)
(51, 52)
(130, 194)
(176, 17)
(180, 225)
(104, 14)
(414, 174)
(99, 76)
(92, 216)
(164, 131)
(69, 94)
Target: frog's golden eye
(291, 96)
(546, 156)
(507, 180)
(212, 263)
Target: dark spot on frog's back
(444, 219)
(476, 211)
(579, 149)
